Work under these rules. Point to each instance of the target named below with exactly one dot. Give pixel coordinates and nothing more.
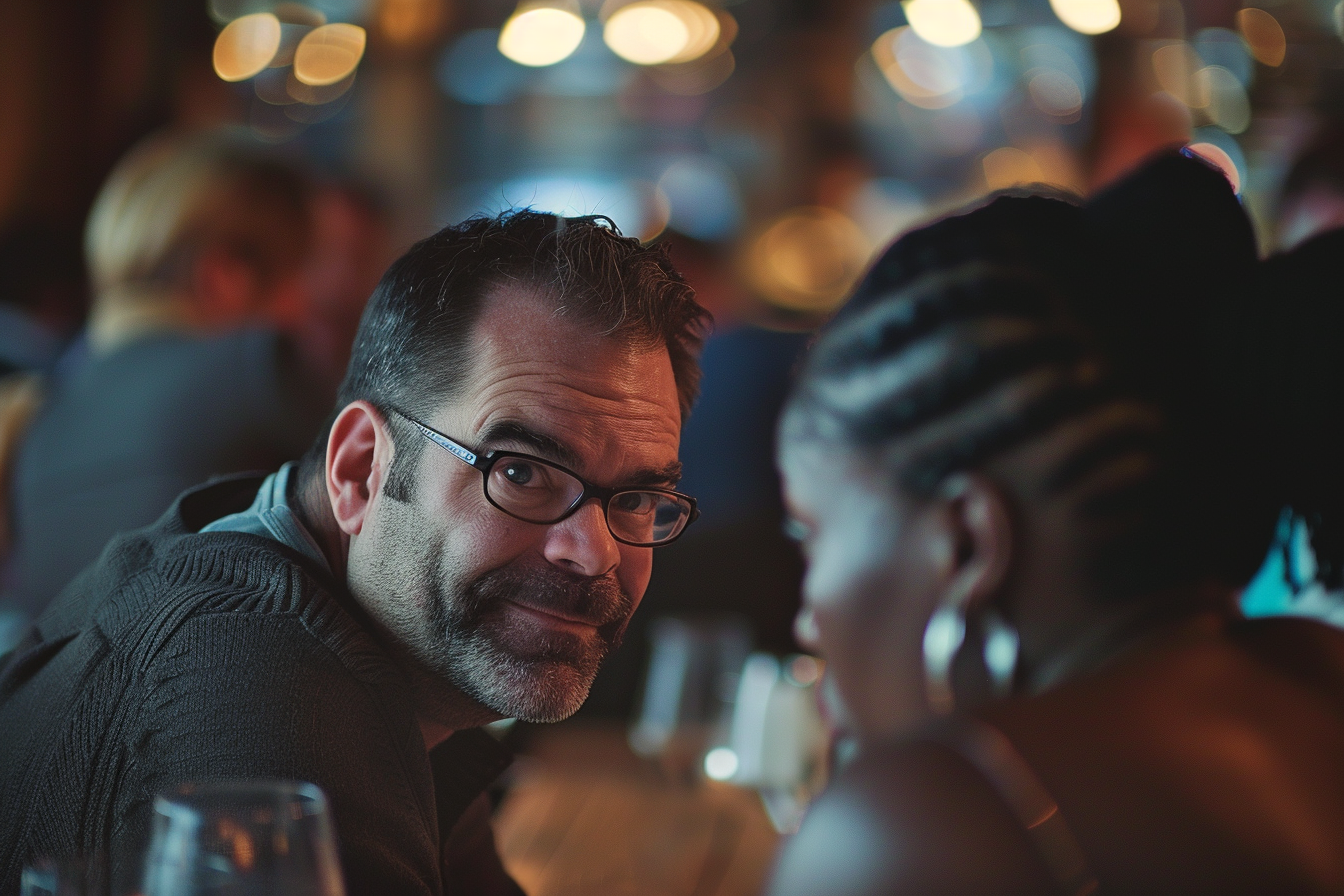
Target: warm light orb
(1009, 166)
(1264, 36)
(702, 26)
(410, 23)
(647, 33)
(1088, 16)
(329, 54)
(541, 35)
(943, 23)
(246, 46)
(808, 259)
(1217, 156)
(927, 75)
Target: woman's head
(965, 435)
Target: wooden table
(585, 816)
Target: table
(586, 816)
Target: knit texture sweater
(183, 657)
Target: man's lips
(558, 618)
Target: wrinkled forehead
(533, 366)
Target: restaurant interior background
(776, 144)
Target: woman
(1016, 464)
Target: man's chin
(545, 692)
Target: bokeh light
(803, 670)
(1009, 166)
(329, 55)
(808, 259)
(1221, 46)
(541, 35)
(410, 23)
(1174, 65)
(1264, 36)
(697, 76)
(246, 46)
(721, 763)
(703, 26)
(1219, 157)
(311, 95)
(1055, 93)
(651, 32)
(1088, 16)
(929, 76)
(645, 33)
(944, 23)
(1218, 92)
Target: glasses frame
(484, 463)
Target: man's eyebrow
(661, 476)
(522, 434)
(552, 448)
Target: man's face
(518, 616)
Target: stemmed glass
(688, 691)
(250, 838)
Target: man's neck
(313, 509)
(440, 708)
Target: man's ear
(359, 451)
(979, 531)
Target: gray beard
(513, 669)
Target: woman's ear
(979, 531)
(359, 451)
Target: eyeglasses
(537, 491)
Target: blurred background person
(42, 294)
(1012, 477)
(196, 249)
(352, 246)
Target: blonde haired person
(196, 248)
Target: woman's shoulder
(1202, 764)
(913, 816)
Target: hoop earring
(1002, 646)
(945, 636)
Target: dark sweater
(186, 657)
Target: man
(196, 249)
(466, 544)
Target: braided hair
(1077, 354)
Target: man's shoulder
(149, 583)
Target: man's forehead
(538, 371)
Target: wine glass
(250, 838)
(777, 743)
(689, 689)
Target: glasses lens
(531, 490)
(647, 518)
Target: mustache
(601, 601)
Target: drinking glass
(688, 691)
(777, 743)
(243, 838)
(50, 878)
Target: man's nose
(582, 543)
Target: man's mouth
(558, 619)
